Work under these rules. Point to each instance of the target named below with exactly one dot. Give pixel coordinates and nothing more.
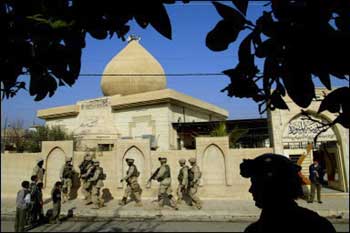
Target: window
(105, 147)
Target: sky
(185, 53)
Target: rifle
(153, 175)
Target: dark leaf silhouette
(46, 38)
(160, 20)
(242, 5)
(336, 100)
(226, 31)
(277, 101)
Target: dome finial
(132, 37)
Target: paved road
(145, 226)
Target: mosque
(139, 117)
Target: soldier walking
(38, 170)
(183, 180)
(162, 175)
(66, 175)
(194, 176)
(86, 171)
(133, 188)
(97, 183)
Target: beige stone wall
(136, 121)
(18, 167)
(15, 168)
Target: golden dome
(133, 59)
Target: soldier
(66, 175)
(86, 170)
(194, 175)
(97, 183)
(162, 175)
(38, 170)
(133, 188)
(275, 185)
(183, 180)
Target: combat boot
(122, 202)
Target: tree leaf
(159, 19)
(221, 36)
(242, 5)
(230, 14)
(244, 51)
(325, 79)
(299, 85)
(265, 49)
(277, 100)
(335, 100)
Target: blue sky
(185, 53)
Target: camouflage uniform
(39, 171)
(194, 177)
(86, 170)
(183, 180)
(97, 183)
(66, 175)
(164, 178)
(133, 188)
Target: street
(113, 225)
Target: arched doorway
(54, 162)
(213, 166)
(302, 130)
(136, 154)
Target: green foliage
(32, 140)
(304, 39)
(234, 135)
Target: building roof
(141, 99)
(133, 70)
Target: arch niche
(300, 130)
(54, 162)
(136, 154)
(214, 166)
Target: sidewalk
(335, 207)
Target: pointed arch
(54, 161)
(214, 169)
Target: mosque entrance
(301, 131)
(328, 156)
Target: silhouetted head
(275, 179)
(25, 184)
(162, 160)
(192, 161)
(40, 162)
(182, 162)
(58, 185)
(34, 178)
(129, 161)
(40, 185)
(315, 162)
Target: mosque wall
(67, 123)
(16, 167)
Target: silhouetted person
(275, 187)
(316, 174)
(22, 204)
